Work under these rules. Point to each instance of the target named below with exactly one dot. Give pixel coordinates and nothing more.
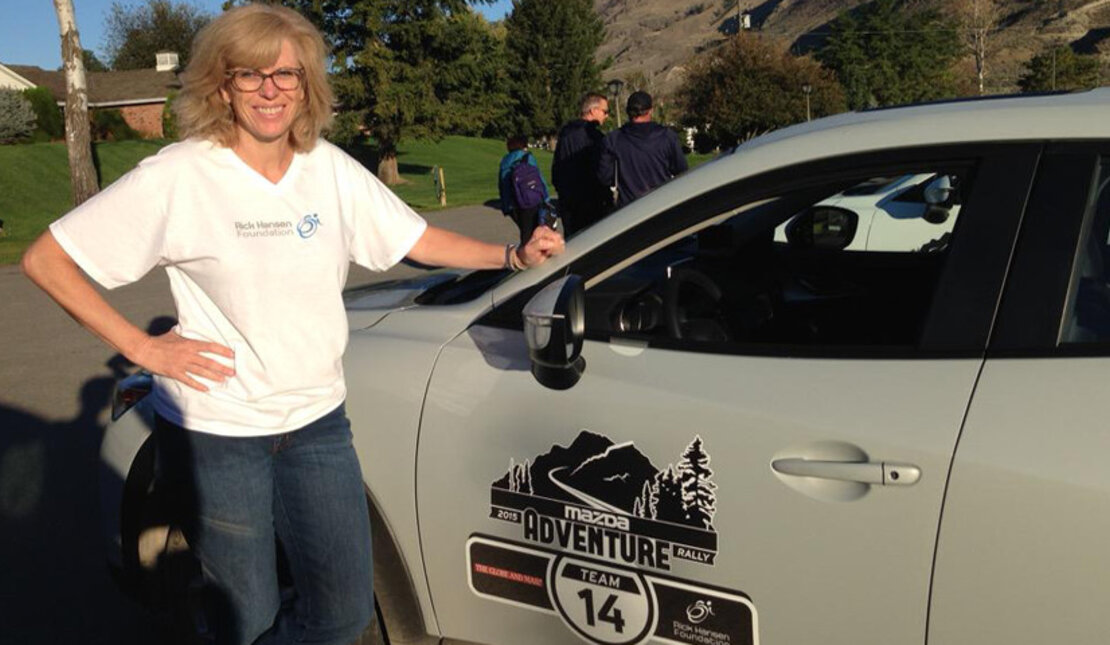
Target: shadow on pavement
(56, 586)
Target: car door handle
(879, 473)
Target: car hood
(369, 304)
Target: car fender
(126, 473)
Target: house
(139, 95)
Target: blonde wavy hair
(251, 37)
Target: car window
(1088, 312)
(794, 270)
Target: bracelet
(512, 260)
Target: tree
(408, 68)
(668, 504)
(82, 172)
(136, 33)
(17, 117)
(697, 491)
(749, 85)
(1060, 68)
(48, 118)
(550, 48)
(978, 19)
(885, 54)
(92, 63)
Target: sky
(29, 28)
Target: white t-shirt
(255, 266)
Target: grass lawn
(34, 178)
(469, 170)
(34, 185)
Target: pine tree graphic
(520, 476)
(668, 497)
(698, 498)
(645, 503)
(525, 479)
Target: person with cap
(641, 154)
(582, 199)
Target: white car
(901, 213)
(687, 430)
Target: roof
(107, 88)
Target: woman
(255, 220)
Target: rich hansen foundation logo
(608, 500)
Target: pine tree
(526, 477)
(698, 497)
(647, 500)
(886, 54)
(1060, 68)
(668, 505)
(550, 47)
(409, 69)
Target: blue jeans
(304, 488)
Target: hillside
(656, 38)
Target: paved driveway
(55, 384)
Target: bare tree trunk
(82, 173)
(979, 18)
(979, 46)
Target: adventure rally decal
(592, 516)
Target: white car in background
(691, 429)
(906, 212)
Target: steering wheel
(692, 306)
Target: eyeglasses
(251, 80)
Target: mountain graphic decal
(599, 474)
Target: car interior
(733, 282)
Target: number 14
(608, 613)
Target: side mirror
(823, 227)
(554, 328)
(938, 195)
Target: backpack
(527, 182)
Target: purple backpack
(528, 189)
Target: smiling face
(267, 114)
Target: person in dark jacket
(640, 155)
(582, 199)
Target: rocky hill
(650, 41)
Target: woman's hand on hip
(182, 359)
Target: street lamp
(807, 89)
(615, 87)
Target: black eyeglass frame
(234, 78)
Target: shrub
(50, 120)
(110, 125)
(17, 117)
(169, 119)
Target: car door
(1022, 555)
(758, 445)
